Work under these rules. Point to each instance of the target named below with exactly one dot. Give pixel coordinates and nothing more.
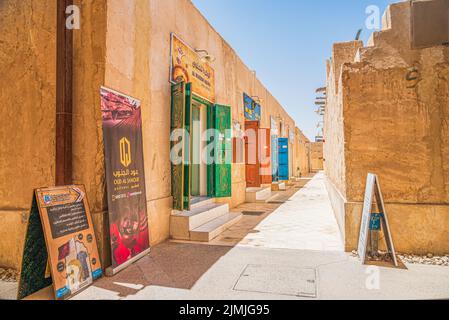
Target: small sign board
(373, 192)
(60, 245)
(252, 109)
(190, 67)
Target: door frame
(285, 142)
(208, 105)
(258, 178)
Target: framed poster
(251, 108)
(61, 216)
(125, 178)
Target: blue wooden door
(274, 157)
(283, 159)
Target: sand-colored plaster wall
(316, 154)
(302, 153)
(27, 90)
(88, 75)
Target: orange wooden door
(265, 156)
(251, 154)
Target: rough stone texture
(88, 155)
(397, 128)
(27, 82)
(316, 156)
(302, 159)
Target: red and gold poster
(70, 239)
(125, 178)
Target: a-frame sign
(60, 245)
(373, 192)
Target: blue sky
(288, 41)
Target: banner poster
(68, 257)
(189, 67)
(251, 108)
(125, 178)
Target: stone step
(181, 223)
(212, 229)
(278, 186)
(254, 195)
(201, 201)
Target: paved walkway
(183, 271)
(291, 251)
(304, 222)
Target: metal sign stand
(372, 191)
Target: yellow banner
(188, 66)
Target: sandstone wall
(303, 153)
(316, 155)
(334, 137)
(27, 92)
(395, 107)
(88, 75)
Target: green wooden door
(219, 172)
(180, 164)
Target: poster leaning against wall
(125, 178)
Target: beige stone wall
(27, 92)
(316, 156)
(334, 137)
(88, 76)
(397, 128)
(303, 153)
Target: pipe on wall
(64, 98)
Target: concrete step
(212, 229)
(200, 201)
(181, 223)
(278, 186)
(290, 183)
(254, 195)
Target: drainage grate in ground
(276, 279)
(277, 202)
(253, 213)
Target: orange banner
(188, 66)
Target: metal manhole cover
(253, 213)
(281, 280)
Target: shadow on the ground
(180, 265)
(172, 265)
